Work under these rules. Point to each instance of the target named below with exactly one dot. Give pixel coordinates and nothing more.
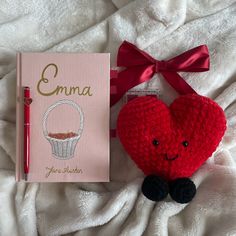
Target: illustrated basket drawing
(63, 148)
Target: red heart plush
(171, 142)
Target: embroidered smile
(171, 158)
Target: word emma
(53, 170)
(81, 91)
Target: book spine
(18, 120)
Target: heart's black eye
(155, 142)
(185, 143)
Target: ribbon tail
(177, 82)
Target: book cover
(69, 116)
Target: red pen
(27, 101)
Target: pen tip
(26, 177)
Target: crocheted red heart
(171, 142)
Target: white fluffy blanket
(164, 28)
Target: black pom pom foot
(154, 188)
(182, 190)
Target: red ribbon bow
(140, 67)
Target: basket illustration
(63, 144)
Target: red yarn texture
(171, 142)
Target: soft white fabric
(164, 28)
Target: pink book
(69, 116)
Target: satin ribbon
(140, 67)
